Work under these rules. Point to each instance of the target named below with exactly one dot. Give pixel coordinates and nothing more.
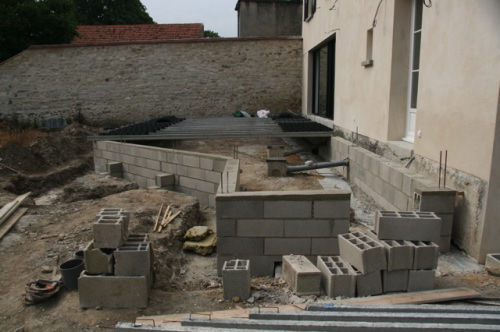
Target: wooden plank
(158, 218)
(430, 296)
(9, 208)
(5, 228)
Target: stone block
(333, 209)
(307, 228)
(364, 253)
(114, 292)
(226, 227)
(437, 200)
(284, 246)
(165, 180)
(98, 261)
(109, 233)
(301, 275)
(236, 279)
(240, 245)
(395, 281)
(411, 226)
(426, 255)
(288, 209)
(260, 227)
(337, 277)
(325, 246)
(276, 167)
(421, 280)
(492, 264)
(368, 284)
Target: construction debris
(197, 233)
(206, 247)
(40, 290)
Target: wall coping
(302, 195)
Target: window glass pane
(418, 14)
(414, 89)
(306, 9)
(322, 88)
(416, 50)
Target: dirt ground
(57, 168)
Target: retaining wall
(131, 82)
(196, 174)
(264, 226)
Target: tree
(34, 22)
(210, 34)
(107, 12)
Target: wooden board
(430, 296)
(5, 228)
(8, 209)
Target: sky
(216, 15)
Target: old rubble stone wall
(130, 82)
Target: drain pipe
(327, 164)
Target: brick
(335, 209)
(260, 228)
(426, 255)
(113, 291)
(364, 253)
(284, 246)
(325, 246)
(236, 279)
(226, 227)
(301, 275)
(287, 209)
(337, 277)
(98, 261)
(240, 209)
(238, 245)
(412, 226)
(421, 280)
(109, 233)
(395, 281)
(368, 284)
(307, 228)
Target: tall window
(309, 9)
(324, 80)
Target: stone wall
(131, 82)
(196, 174)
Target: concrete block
(187, 182)
(307, 228)
(239, 245)
(364, 253)
(191, 161)
(378, 185)
(239, 209)
(219, 165)
(260, 228)
(492, 264)
(335, 209)
(287, 209)
(98, 261)
(438, 200)
(163, 180)
(325, 246)
(109, 233)
(395, 281)
(446, 223)
(182, 170)
(284, 246)
(113, 291)
(421, 280)
(368, 284)
(115, 169)
(260, 266)
(301, 275)
(236, 279)
(213, 177)
(206, 187)
(339, 226)
(411, 226)
(400, 253)
(153, 164)
(276, 167)
(337, 276)
(275, 151)
(385, 170)
(401, 201)
(226, 227)
(137, 238)
(374, 166)
(133, 259)
(196, 173)
(444, 243)
(425, 255)
(206, 164)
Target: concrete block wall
(196, 174)
(264, 226)
(393, 186)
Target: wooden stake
(160, 226)
(158, 218)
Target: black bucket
(79, 254)
(70, 271)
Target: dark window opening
(324, 80)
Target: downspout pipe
(327, 164)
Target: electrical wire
(374, 24)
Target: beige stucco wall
(459, 82)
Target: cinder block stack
(118, 265)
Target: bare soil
(57, 167)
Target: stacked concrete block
(411, 226)
(364, 253)
(426, 255)
(368, 284)
(395, 281)
(301, 275)
(118, 265)
(263, 226)
(337, 276)
(399, 253)
(236, 279)
(421, 280)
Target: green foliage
(35, 22)
(109, 12)
(210, 34)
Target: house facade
(419, 79)
(266, 18)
